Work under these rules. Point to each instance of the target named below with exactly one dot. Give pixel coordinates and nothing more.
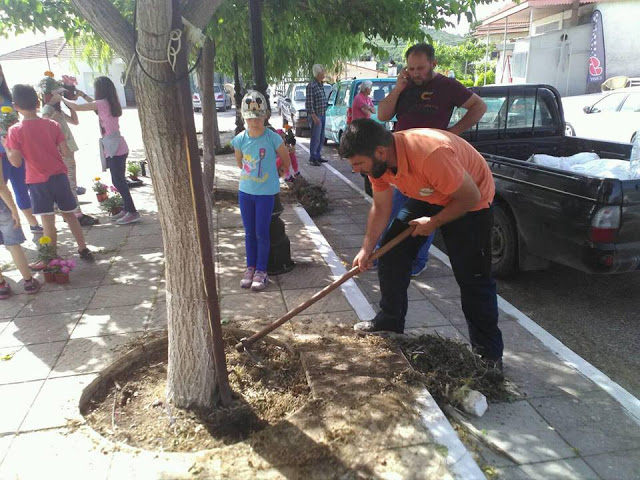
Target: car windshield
(300, 93)
(217, 89)
(327, 90)
(381, 90)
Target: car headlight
(302, 114)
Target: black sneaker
(372, 327)
(314, 162)
(85, 254)
(31, 286)
(323, 160)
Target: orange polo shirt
(431, 166)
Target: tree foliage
(299, 33)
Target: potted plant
(48, 84)
(8, 117)
(46, 254)
(61, 269)
(100, 189)
(113, 205)
(134, 170)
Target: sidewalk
(56, 342)
(565, 426)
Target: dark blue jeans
(468, 241)
(256, 213)
(117, 166)
(317, 138)
(17, 177)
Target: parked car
(221, 95)
(341, 98)
(293, 109)
(195, 99)
(614, 117)
(223, 98)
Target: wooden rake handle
(246, 342)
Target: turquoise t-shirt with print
(259, 174)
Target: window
(217, 89)
(332, 97)
(342, 92)
(381, 90)
(327, 90)
(631, 104)
(491, 120)
(610, 103)
(548, 27)
(300, 94)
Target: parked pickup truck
(544, 214)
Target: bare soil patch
(131, 407)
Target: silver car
(222, 98)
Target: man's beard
(379, 168)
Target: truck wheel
(569, 131)
(504, 243)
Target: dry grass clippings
(132, 408)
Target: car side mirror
(288, 100)
(587, 109)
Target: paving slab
(572, 468)
(16, 401)
(137, 275)
(57, 403)
(65, 300)
(422, 313)
(90, 355)
(541, 374)
(54, 327)
(518, 429)
(30, 362)
(307, 276)
(592, 423)
(122, 295)
(112, 320)
(5, 443)
(257, 305)
(60, 454)
(623, 465)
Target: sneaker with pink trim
(248, 277)
(260, 281)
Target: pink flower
(65, 269)
(62, 263)
(54, 263)
(113, 189)
(71, 263)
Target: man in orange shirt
(450, 187)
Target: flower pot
(62, 278)
(115, 210)
(102, 196)
(49, 277)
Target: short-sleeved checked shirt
(316, 99)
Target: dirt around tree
(132, 408)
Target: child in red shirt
(42, 144)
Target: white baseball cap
(254, 105)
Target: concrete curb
(630, 403)
(458, 458)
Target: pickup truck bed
(545, 214)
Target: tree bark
(191, 379)
(210, 131)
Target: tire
(569, 131)
(504, 243)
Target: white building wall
(30, 72)
(621, 23)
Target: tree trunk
(191, 379)
(238, 95)
(210, 131)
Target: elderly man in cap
(316, 106)
(362, 106)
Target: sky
(14, 43)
